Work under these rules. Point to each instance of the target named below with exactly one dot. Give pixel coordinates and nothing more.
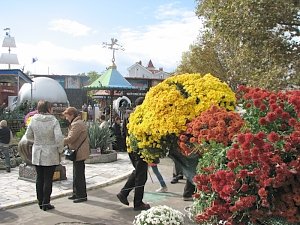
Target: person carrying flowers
(137, 178)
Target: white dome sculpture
(43, 88)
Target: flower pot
(97, 157)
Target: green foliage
(20, 133)
(214, 156)
(63, 122)
(202, 58)
(251, 42)
(277, 221)
(100, 137)
(92, 75)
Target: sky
(66, 36)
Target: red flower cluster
(273, 111)
(215, 124)
(262, 177)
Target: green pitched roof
(111, 79)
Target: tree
(93, 75)
(255, 42)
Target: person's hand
(152, 164)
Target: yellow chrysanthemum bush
(155, 125)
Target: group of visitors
(48, 144)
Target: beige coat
(76, 135)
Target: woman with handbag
(45, 133)
(77, 140)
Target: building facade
(144, 77)
(139, 76)
(11, 80)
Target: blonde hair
(3, 123)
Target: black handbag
(70, 154)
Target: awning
(12, 75)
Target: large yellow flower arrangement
(155, 125)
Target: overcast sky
(66, 36)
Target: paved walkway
(16, 192)
(102, 207)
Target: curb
(67, 192)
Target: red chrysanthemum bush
(258, 178)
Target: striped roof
(111, 79)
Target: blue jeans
(5, 150)
(159, 176)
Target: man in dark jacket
(136, 180)
(5, 138)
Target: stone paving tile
(15, 192)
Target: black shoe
(78, 200)
(41, 206)
(8, 169)
(122, 199)
(48, 207)
(72, 197)
(174, 180)
(180, 177)
(188, 198)
(143, 206)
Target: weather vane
(7, 29)
(113, 46)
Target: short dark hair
(139, 101)
(102, 117)
(44, 106)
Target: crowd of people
(45, 133)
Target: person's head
(117, 119)
(127, 113)
(70, 113)
(102, 117)
(139, 101)
(3, 123)
(44, 107)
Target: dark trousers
(189, 189)
(79, 183)
(136, 180)
(119, 144)
(44, 180)
(5, 150)
(177, 170)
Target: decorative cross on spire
(113, 46)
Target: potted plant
(100, 138)
(100, 141)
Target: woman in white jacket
(45, 133)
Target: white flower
(159, 215)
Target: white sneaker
(162, 189)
